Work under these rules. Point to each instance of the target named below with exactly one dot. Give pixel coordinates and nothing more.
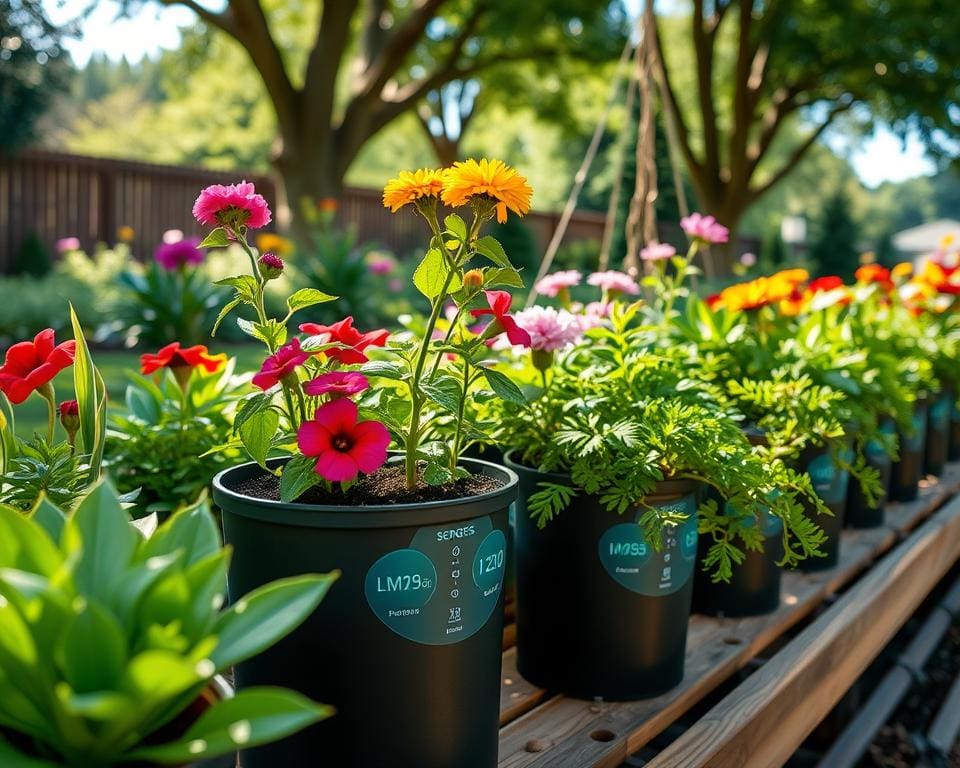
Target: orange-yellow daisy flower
(492, 178)
(903, 269)
(410, 186)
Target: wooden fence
(54, 195)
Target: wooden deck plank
(548, 732)
(770, 714)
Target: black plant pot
(831, 484)
(953, 454)
(860, 513)
(407, 644)
(937, 443)
(754, 587)
(906, 472)
(600, 613)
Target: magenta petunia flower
(550, 329)
(172, 256)
(552, 285)
(343, 446)
(381, 266)
(354, 343)
(502, 322)
(233, 205)
(280, 365)
(614, 283)
(337, 384)
(704, 228)
(657, 251)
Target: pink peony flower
(704, 228)
(344, 447)
(233, 205)
(614, 283)
(502, 322)
(594, 314)
(65, 244)
(657, 251)
(172, 256)
(337, 383)
(552, 285)
(280, 365)
(550, 329)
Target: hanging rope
(581, 176)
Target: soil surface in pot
(388, 485)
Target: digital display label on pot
(636, 565)
(444, 587)
(829, 481)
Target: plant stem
(455, 451)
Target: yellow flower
(410, 186)
(491, 178)
(268, 242)
(947, 240)
(903, 269)
(791, 276)
(125, 234)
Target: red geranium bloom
(352, 340)
(502, 322)
(828, 283)
(337, 383)
(31, 364)
(343, 446)
(875, 273)
(280, 365)
(175, 356)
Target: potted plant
(112, 636)
(420, 538)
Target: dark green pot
(953, 454)
(860, 513)
(831, 484)
(600, 613)
(407, 644)
(938, 434)
(906, 472)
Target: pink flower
(704, 228)
(344, 447)
(270, 266)
(552, 285)
(657, 251)
(502, 322)
(65, 244)
(172, 236)
(549, 329)
(748, 259)
(233, 205)
(280, 365)
(354, 343)
(381, 266)
(337, 384)
(172, 256)
(614, 283)
(594, 314)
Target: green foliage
(519, 242)
(160, 445)
(107, 636)
(835, 248)
(32, 257)
(39, 468)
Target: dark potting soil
(896, 746)
(386, 486)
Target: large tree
(756, 68)
(370, 61)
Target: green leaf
(251, 406)
(49, 517)
(11, 758)
(490, 247)
(246, 285)
(142, 405)
(271, 333)
(91, 400)
(382, 369)
(227, 309)
(191, 530)
(503, 276)
(457, 226)
(8, 440)
(435, 474)
(216, 239)
(504, 387)
(26, 545)
(430, 276)
(261, 618)
(257, 433)
(100, 532)
(307, 297)
(254, 716)
(445, 391)
(299, 475)
(93, 650)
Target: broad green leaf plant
(108, 636)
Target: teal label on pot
(444, 587)
(770, 525)
(635, 564)
(940, 413)
(874, 449)
(829, 481)
(914, 442)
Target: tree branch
(703, 41)
(222, 21)
(323, 64)
(743, 110)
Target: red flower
(352, 340)
(343, 446)
(31, 364)
(337, 383)
(502, 322)
(280, 365)
(828, 283)
(70, 417)
(875, 273)
(174, 356)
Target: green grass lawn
(31, 415)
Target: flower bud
(473, 280)
(70, 418)
(542, 359)
(270, 266)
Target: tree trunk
(307, 175)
